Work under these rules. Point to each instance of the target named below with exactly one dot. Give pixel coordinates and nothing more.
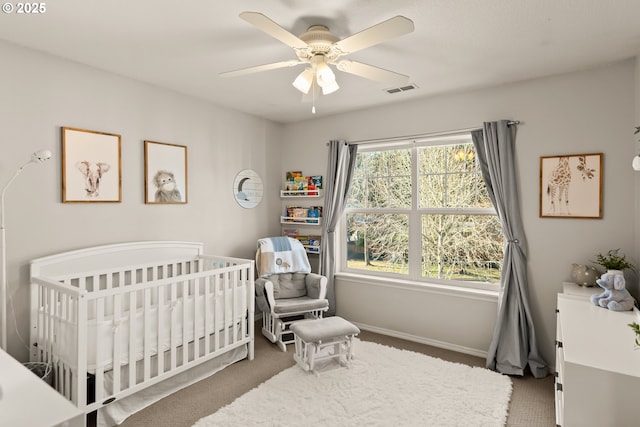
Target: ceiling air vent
(402, 88)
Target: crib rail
(128, 328)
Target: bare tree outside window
(436, 191)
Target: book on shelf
(303, 239)
(297, 213)
(313, 213)
(314, 243)
(288, 188)
(317, 181)
(310, 242)
(289, 176)
(300, 183)
(290, 232)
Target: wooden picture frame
(165, 172)
(571, 186)
(91, 166)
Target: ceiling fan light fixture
(324, 75)
(330, 87)
(303, 81)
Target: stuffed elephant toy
(615, 296)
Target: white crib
(113, 320)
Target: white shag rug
(383, 386)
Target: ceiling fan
(318, 48)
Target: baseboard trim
(422, 340)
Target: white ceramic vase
(616, 272)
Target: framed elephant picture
(165, 171)
(571, 186)
(91, 166)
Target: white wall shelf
(297, 194)
(299, 220)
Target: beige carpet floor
(532, 400)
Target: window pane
(382, 179)
(462, 247)
(450, 177)
(432, 160)
(378, 242)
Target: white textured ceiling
(457, 44)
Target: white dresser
(28, 401)
(597, 363)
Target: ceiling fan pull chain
(313, 107)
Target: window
(420, 210)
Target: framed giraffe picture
(571, 186)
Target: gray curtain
(342, 158)
(513, 346)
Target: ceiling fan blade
(259, 68)
(391, 28)
(372, 73)
(266, 25)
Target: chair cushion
(300, 304)
(288, 285)
(322, 329)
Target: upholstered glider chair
(286, 290)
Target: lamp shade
(324, 75)
(303, 81)
(40, 156)
(330, 87)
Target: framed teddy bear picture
(165, 172)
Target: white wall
(41, 93)
(582, 112)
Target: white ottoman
(311, 336)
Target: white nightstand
(26, 400)
(597, 363)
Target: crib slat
(250, 292)
(236, 319)
(207, 314)
(132, 336)
(173, 341)
(48, 323)
(147, 334)
(79, 385)
(228, 299)
(185, 332)
(117, 331)
(243, 286)
(161, 329)
(196, 317)
(99, 374)
(216, 316)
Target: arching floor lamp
(37, 157)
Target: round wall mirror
(247, 188)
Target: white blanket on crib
(281, 255)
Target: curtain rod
(428, 135)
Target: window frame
(415, 214)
